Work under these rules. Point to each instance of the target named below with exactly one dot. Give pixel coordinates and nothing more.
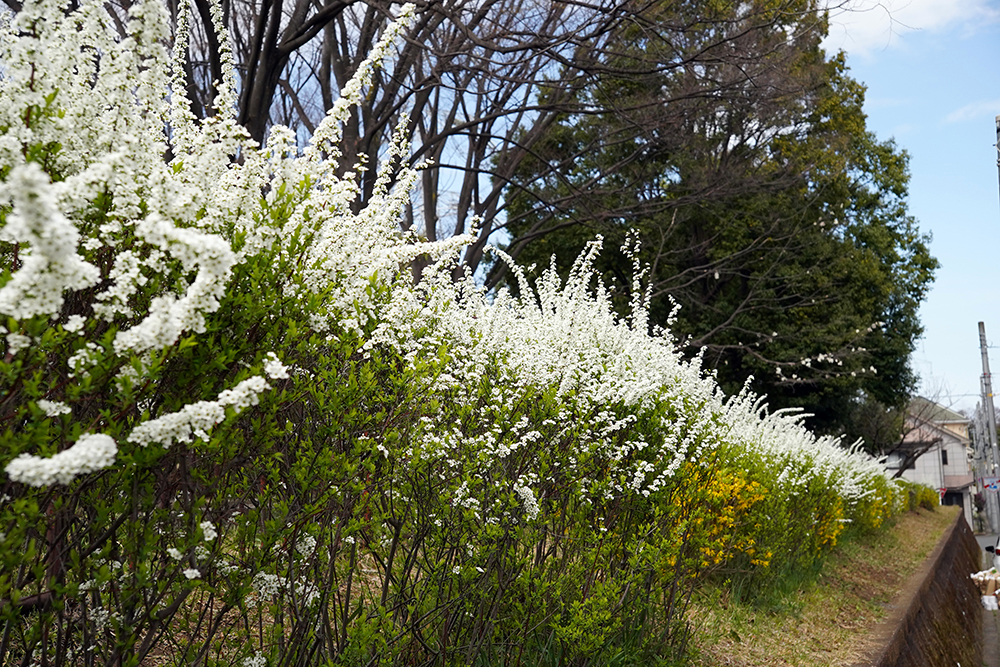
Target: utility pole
(998, 145)
(992, 502)
(980, 454)
(981, 468)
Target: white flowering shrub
(233, 431)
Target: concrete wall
(938, 621)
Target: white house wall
(929, 468)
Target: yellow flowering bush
(918, 495)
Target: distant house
(936, 451)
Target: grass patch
(820, 617)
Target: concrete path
(984, 541)
(991, 638)
(991, 619)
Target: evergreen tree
(766, 209)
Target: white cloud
(862, 27)
(974, 111)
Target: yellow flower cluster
(716, 516)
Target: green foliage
(919, 496)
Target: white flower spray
(90, 453)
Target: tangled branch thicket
(235, 432)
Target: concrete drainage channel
(939, 620)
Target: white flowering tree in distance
(234, 431)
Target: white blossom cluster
(198, 418)
(256, 660)
(528, 500)
(54, 408)
(267, 586)
(108, 114)
(209, 531)
(169, 222)
(170, 316)
(274, 369)
(17, 342)
(51, 264)
(306, 545)
(110, 129)
(566, 335)
(90, 453)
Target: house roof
(927, 410)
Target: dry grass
(829, 620)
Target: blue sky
(932, 69)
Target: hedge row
(235, 432)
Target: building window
(944, 457)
